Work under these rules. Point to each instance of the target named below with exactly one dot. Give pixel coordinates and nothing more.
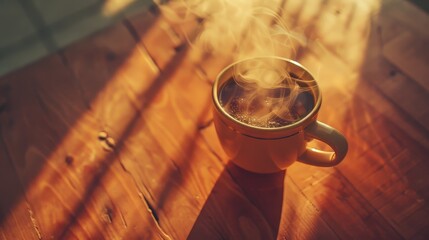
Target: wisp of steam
(265, 95)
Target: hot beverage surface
(267, 108)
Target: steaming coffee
(267, 108)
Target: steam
(242, 28)
(265, 93)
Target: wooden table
(112, 138)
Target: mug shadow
(241, 205)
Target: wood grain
(409, 52)
(14, 211)
(112, 137)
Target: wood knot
(108, 214)
(110, 56)
(154, 9)
(179, 47)
(200, 19)
(205, 124)
(69, 160)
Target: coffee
(267, 108)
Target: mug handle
(330, 136)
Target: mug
(267, 150)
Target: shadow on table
(40, 105)
(241, 205)
(363, 196)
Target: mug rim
(298, 125)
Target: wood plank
(387, 181)
(418, 223)
(133, 93)
(301, 219)
(78, 176)
(372, 176)
(152, 30)
(14, 209)
(416, 176)
(409, 15)
(141, 96)
(153, 129)
(155, 30)
(408, 95)
(117, 75)
(228, 214)
(367, 160)
(394, 85)
(185, 169)
(410, 90)
(382, 103)
(388, 28)
(403, 211)
(252, 206)
(360, 116)
(158, 36)
(409, 52)
(101, 99)
(114, 207)
(33, 132)
(343, 208)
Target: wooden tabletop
(112, 137)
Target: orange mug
(268, 150)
